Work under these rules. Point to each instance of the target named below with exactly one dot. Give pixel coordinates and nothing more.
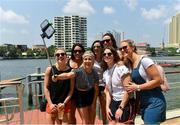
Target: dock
(37, 117)
(34, 116)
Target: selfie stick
(48, 55)
(48, 31)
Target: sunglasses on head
(77, 51)
(106, 40)
(60, 54)
(108, 54)
(124, 48)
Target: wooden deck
(37, 117)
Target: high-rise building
(174, 32)
(70, 30)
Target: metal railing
(19, 98)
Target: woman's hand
(61, 106)
(131, 87)
(109, 114)
(118, 114)
(53, 108)
(54, 78)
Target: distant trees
(10, 51)
(51, 50)
(3, 50)
(13, 52)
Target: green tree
(30, 53)
(12, 52)
(51, 50)
(152, 51)
(43, 53)
(3, 51)
(171, 51)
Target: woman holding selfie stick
(58, 92)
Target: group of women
(107, 73)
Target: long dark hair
(96, 41)
(115, 54)
(72, 50)
(112, 39)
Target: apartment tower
(174, 32)
(70, 30)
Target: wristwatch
(138, 88)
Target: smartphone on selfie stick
(48, 32)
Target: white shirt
(117, 90)
(145, 63)
(99, 70)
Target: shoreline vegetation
(11, 58)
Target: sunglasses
(97, 47)
(60, 54)
(108, 54)
(124, 48)
(106, 40)
(77, 51)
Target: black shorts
(84, 98)
(114, 106)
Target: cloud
(167, 21)
(6, 31)
(177, 7)
(9, 16)
(80, 7)
(24, 32)
(131, 3)
(108, 10)
(154, 13)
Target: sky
(140, 20)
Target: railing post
(30, 96)
(38, 71)
(20, 94)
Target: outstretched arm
(63, 76)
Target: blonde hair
(59, 49)
(88, 53)
(131, 43)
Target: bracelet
(120, 107)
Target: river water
(21, 68)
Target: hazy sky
(141, 20)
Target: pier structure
(34, 116)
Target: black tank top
(60, 89)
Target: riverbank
(21, 58)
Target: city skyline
(140, 20)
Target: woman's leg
(84, 114)
(66, 118)
(50, 118)
(72, 118)
(58, 121)
(102, 100)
